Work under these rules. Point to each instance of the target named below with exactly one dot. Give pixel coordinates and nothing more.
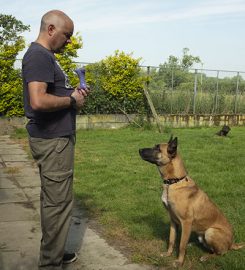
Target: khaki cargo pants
(55, 159)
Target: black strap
(173, 180)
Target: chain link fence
(193, 91)
(196, 91)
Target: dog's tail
(236, 246)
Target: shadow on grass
(159, 228)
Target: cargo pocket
(56, 187)
(62, 143)
(63, 155)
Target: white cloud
(153, 29)
(101, 15)
(125, 17)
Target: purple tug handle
(81, 74)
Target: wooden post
(152, 109)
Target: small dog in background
(188, 206)
(224, 131)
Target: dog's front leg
(172, 238)
(185, 235)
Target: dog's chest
(165, 197)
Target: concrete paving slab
(17, 212)
(23, 236)
(4, 136)
(26, 171)
(28, 181)
(4, 172)
(36, 205)
(7, 182)
(17, 164)
(15, 157)
(7, 140)
(8, 172)
(6, 150)
(10, 195)
(33, 193)
(17, 260)
(101, 253)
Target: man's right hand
(79, 95)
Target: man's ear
(172, 146)
(51, 29)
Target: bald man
(50, 104)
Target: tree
(116, 84)
(176, 70)
(11, 43)
(121, 76)
(11, 29)
(188, 60)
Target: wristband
(73, 102)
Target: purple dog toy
(81, 74)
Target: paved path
(20, 227)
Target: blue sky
(151, 30)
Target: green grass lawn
(123, 192)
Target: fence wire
(193, 91)
(196, 91)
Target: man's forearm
(49, 103)
(41, 100)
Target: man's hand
(84, 92)
(80, 95)
(40, 100)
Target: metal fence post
(216, 94)
(148, 77)
(172, 89)
(195, 92)
(237, 91)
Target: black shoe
(69, 258)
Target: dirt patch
(13, 170)
(28, 205)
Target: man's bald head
(54, 17)
(55, 31)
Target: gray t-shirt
(39, 64)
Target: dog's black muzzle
(148, 154)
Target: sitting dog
(224, 131)
(188, 205)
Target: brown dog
(188, 205)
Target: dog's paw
(177, 264)
(165, 254)
(204, 258)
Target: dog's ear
(172, 146)
(170, 140)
